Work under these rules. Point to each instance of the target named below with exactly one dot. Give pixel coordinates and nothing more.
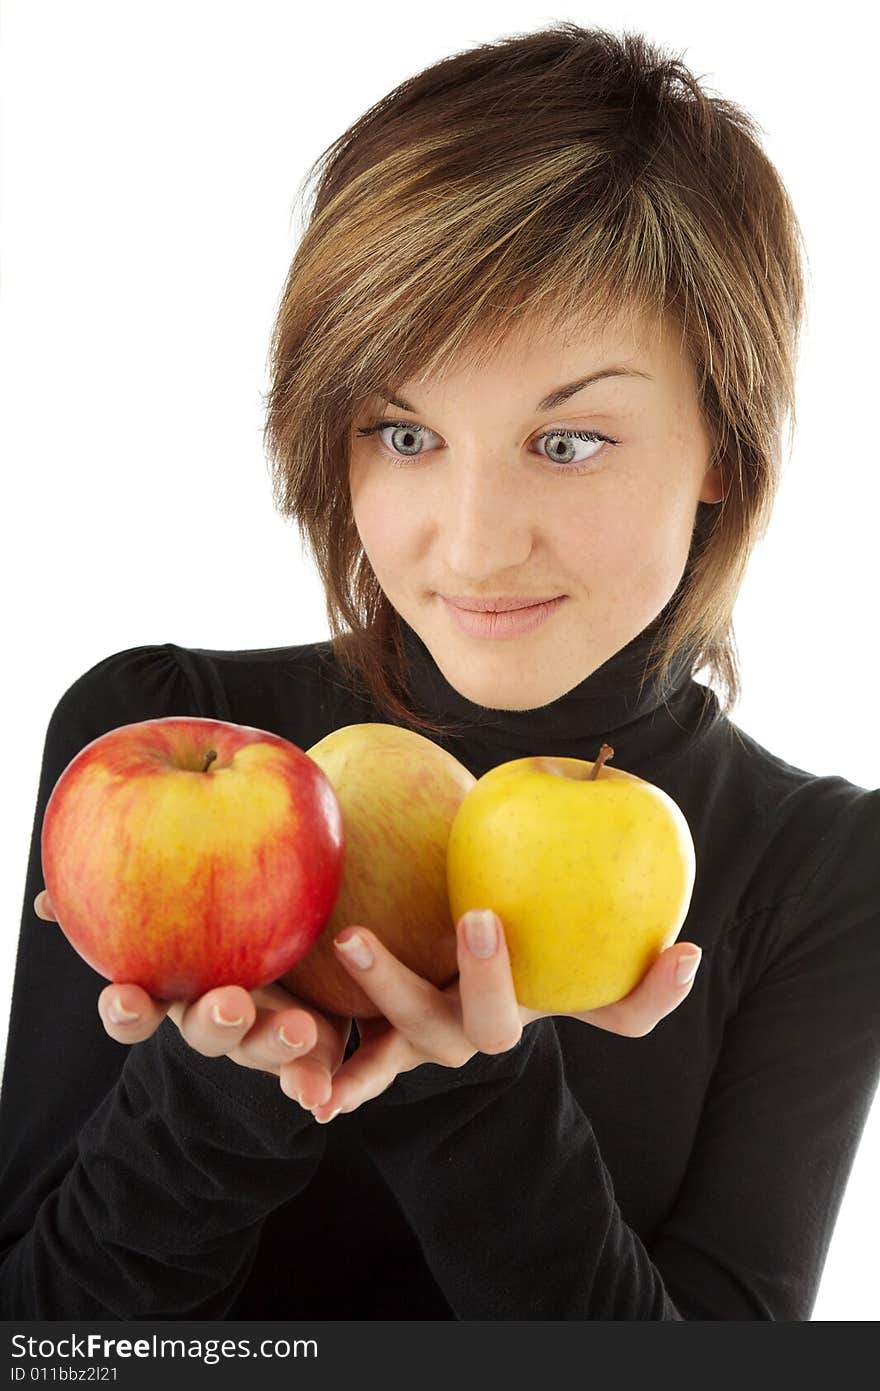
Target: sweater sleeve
(134, 1179)
(507, 1190)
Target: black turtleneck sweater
(695, 1173)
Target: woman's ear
(713, 486)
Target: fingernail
(356, 949)
(480, 932)
(120, 1015)
(328, 1118)
(686, 966)
(289, 1042)
(218, 1018)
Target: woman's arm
(133, 1181)
(505, 1185)
(167, 1184)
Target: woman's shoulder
(298, 691)
(817, 836)
(123, 687)
(792, 798)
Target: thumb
(43, 907)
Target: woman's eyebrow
(555, 398)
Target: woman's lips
(499, 605)
(512, 623)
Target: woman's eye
(567, 449)
(563, 445)
(405, 438)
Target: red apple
(183, 853)
(399, 793)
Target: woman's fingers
(217, 1021)
(227, 1022)
(428, 1018)
(276, 1036)
(263, 1039)
(657, 994)
(43, 907)
(309, 1080)
(367, 1073)
(129, 1014)
(302, 1049)
(489, 1009)
(478, 1012)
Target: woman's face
(488, 502)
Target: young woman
(537, 344)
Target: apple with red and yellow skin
(183, 853)
(589, 868)
(399, 793)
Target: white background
(151, 157)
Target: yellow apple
(399, 793)
(589, 868)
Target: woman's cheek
(387, 526)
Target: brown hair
(538, 173)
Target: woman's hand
(266, 1029)
(477, 1013)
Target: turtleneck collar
(612, 704)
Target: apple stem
(606, 751)
(209, 759)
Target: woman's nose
(486, 527)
